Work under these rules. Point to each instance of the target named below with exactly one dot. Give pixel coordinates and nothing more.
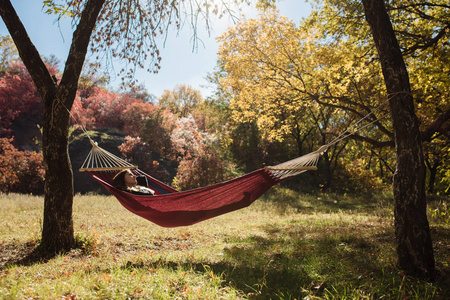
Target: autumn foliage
(200, 164)
(20, 171)
(161, 142)
(283, 90)
(19, 99)
(103, 109)
(304, 85)
(20, 108)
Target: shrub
(103, 109)
(356, 177)
(204, 169)
(135, 115)
(200, 164)
(139, 153)
(19, 99)
(20, 171)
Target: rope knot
(322, 149)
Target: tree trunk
(433, 172)
(432, 181)
(57, 231)
(413, 238)
(327, 172)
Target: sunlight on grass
(21, 217)
(284, 246)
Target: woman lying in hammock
(126, 181)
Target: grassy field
(284, 246)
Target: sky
(180, 63)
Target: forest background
(281, 91)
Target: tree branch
(375, 143)
(78, 50)
(429, 43)
(437, 126)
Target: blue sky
(180, 64)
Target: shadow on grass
(22, 254)
(29, 253)
(285, 199)
(312, 264)
(273, 268)
(288, 265)
(256, 281)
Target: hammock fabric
(172, 208)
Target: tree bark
(57, 231)
(413, 238)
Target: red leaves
(135, 115)
(104, 109)
(18, 98)
(20, 171)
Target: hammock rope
(298, 165)
(99, 159)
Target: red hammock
(172, 208)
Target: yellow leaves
(57, 9)
(265, 60)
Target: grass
(284, 246)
